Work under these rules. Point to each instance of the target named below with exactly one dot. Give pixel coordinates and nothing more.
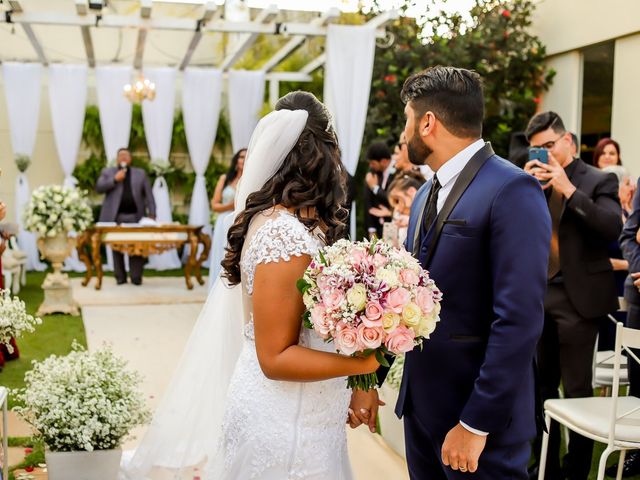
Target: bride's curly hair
(311, 177)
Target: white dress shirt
(448, 173)
(447, 176)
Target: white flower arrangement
(161, 167)
(54, 209)
(14, 319)
(82, 401)
(394, 376)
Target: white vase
(96, 465)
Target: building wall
(625, 127)
(565, 25)
(565, 95)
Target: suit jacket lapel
(463, 181)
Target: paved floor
(149, 325)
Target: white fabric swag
(246, 96)
(201, 95)
(67, 100)
(22, 86)
(347, 82)
(157, 117)
(115, 116)
(115, 109)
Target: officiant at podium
(128, 198)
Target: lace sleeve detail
(279, 239)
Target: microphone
(123, 166)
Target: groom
(481, 227)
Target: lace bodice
(276, 236)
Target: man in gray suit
(128, 193)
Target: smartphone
(540, 154)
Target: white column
(565, 95)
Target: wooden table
(143, 241)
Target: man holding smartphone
(586, 217)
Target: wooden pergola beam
(248, 39)
(145, 15)
(81, 9)
(211, 9)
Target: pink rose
(380, 260)
(373, 315)
(409, 277)
(400, 340)
(397, 299)
(321, 322)
(346, 339)
(369, 337)
(323, 283)
(357, 256)
(333, 299)
(424, 299)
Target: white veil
(186, 427)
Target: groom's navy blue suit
(490, 261)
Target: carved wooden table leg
(96, 240)
(82, 245)
(205, 240)
(193, 251)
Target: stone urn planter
(96, 465)
(57, 289)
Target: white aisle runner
(149, 326)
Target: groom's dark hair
(453, 94)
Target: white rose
(411, 315)
(388, 276)
(357, 296)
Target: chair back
(626, 339)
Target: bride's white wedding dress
(278, 430)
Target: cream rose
(390, 321)
(411, 314)
(357, 296)
(388, 276)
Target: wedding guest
(586, 217)
(222, 204)
(128, 197)
(380, 175)
(631, 252)
(401, 194)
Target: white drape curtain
(115, 109)
(246, 96)
(22, 85)
(157, 117)
(115, 115)
(201, 96)
(67, 101)
(347, 82)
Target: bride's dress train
(276, 430)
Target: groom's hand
(461, 449)
(364, 408)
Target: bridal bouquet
(369, 298)
(14, 319)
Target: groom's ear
(427, 123)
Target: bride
(256, 395)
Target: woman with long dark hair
(256, 395)
(222, 203)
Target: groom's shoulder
(504, 171)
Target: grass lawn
(54, 336)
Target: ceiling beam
(81, 9)
(15, 6)
(376, 22)
(37, 46)
(211, 9)
(298, 40)
(168, 23)
(248, 39)
(145, 15)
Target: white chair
(603, 362)
(14, 269)
(613, 420)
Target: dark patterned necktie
(431, 209)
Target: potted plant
(83, 406)
(52, 212)
(14, 319)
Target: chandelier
(139, 90)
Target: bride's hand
(363, 408)
(370, 363)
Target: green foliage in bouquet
(82, 401)
(496, 43)
(54, 209)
